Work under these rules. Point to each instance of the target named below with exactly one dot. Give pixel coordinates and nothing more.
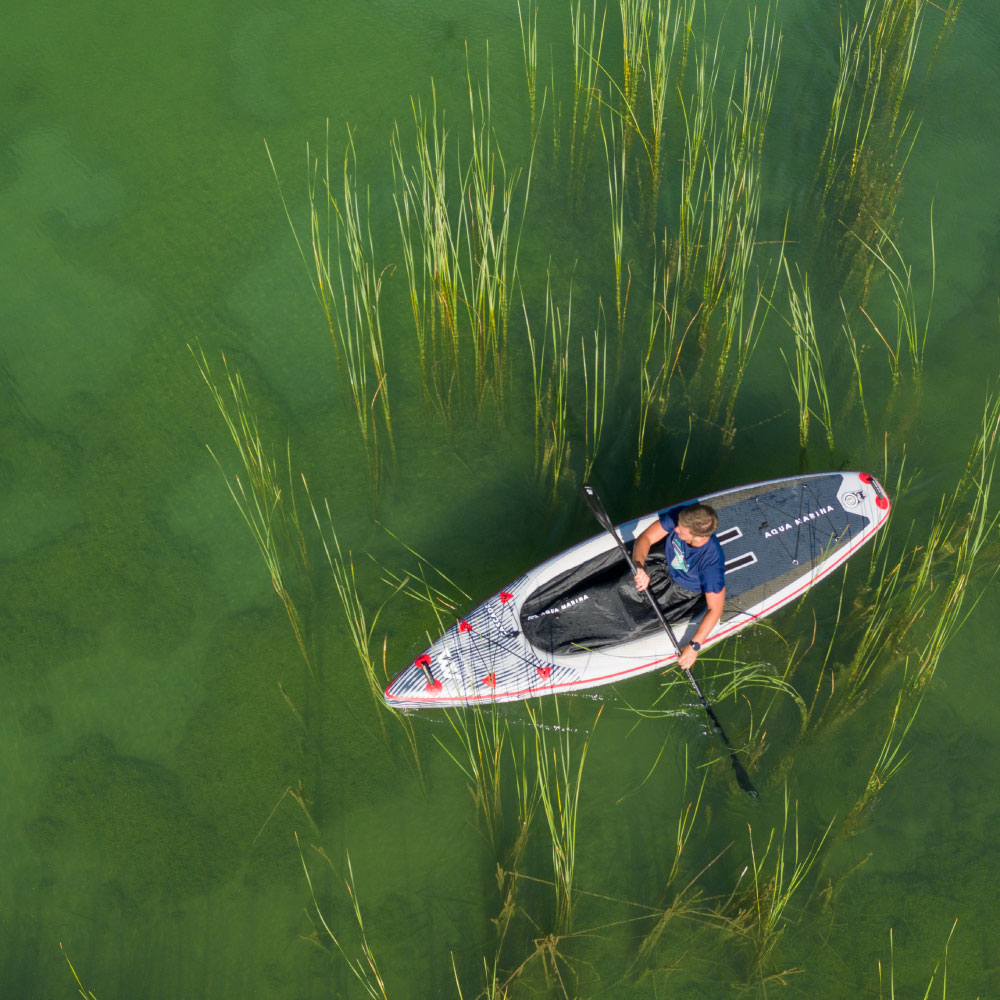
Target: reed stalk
(637, 23)
(856, 353)
(701, 149)
(527, 794)
(482, 735)
(81, 989)
(942, 963)
(551, 385)
(743, 326)
(268, 509)
(560, 777)
(595, 391)
(869, 139)
(808, 375)
(929, 581)
(616, 155)
(529, 48)
(761, 676)
(493, 988)
(361, 626)
(359, 629)
(909, 329)
(360, 959)
(491, 248)
(671, 23)
(882, 626)
(683, 901)
(763, 916)
(734, 180)
(442, 597)
(348, 286)
(890, 758)
(661, 359)
(460, 260)
(557, 449)
(974, 531)
(588, 42)
(431, 253)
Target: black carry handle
(601, 515)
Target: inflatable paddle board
(779, 538)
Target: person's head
(696, 524)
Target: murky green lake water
(162, 738)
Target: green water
(146, 744)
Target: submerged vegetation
(692, 240)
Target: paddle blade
(593, 501)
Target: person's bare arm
(653, 534)
(715, 602)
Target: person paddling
(696, 569)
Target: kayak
(540, 635)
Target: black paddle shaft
(593, 501)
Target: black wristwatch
(696, 646)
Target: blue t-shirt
(702, 568)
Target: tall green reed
(348, 286)
(891, 756)
(734, 179)
(560, 778)
(808, 375)
(942, 963)
(637, 23)
(963, 538)
(746, 316)
(493, 988)
(266, 505)
(856, 353)
(683, 901)
(423, 583)
(922, 581)
(482, 735)
(733, 218)
(650, 35)
(701, 145)
(360, 958)
(550, 367)
(361, 625)
(529, 47)
(595, 391)
(909, 329)
(82, 990)
(431, 252)
(460, 255)
(342, 571)
(615, 152)
(588, 42)
(659, 360)
(869, 137)
(491, 247)
(763, 912)
(672, 23)
(527, 796)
